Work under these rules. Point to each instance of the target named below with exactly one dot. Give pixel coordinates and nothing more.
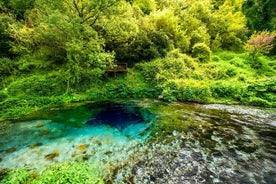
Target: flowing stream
(148, 141)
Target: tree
(64, 33)
(227, 26)
(260, 14)
(6, 18)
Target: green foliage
(202, 52)
(17, 176)
(7, 67)
(70, 173)
(55, 35)
(265, 89)
(260, 14)
(20, 7)
(62, 173)
(39, 85)
(224, 90)
(3, 96)
(5, 38)
(147, 6)
(54, 52)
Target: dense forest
(206, 51)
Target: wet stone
(40, 124)
(108, 153)
(51, 156)
(152, 178)
(10, 150)
(197, 156)
(83, 147)
(97, 142)
(35, 145)
(44, 132)
(86, 157)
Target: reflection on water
(150, 142)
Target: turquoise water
(94, 132)
(148, 141)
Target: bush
(194, 94)
(260, 43)
(7, 67)
(202, 52)
(169, 92)
(3, 96)
(220, 90)
(39, 85)
(149, 70)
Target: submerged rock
(97, 142)
(51, 156)
(40, 124)
(35, 145)
(83, 147)
(44, 132)
(10, 150)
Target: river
(148, 141)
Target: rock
(86, 157)
(83, 147)
(97, 142)
(44, 132)
(51, 156)
(10, 150)
(39, 125)
(35, 145)
(108, 153)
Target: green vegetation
(55, 52)
(61, 173)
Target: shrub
(39, 85)
(149, 70)
(3, 96)
(169, 92)
(260, 43)
(202, 52)
(220, 90)
(194, 94)
(7, 67)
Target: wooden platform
(118, 68)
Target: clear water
(149, 141)
(94, 132)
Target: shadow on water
(119, 116)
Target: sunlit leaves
(147, 6)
